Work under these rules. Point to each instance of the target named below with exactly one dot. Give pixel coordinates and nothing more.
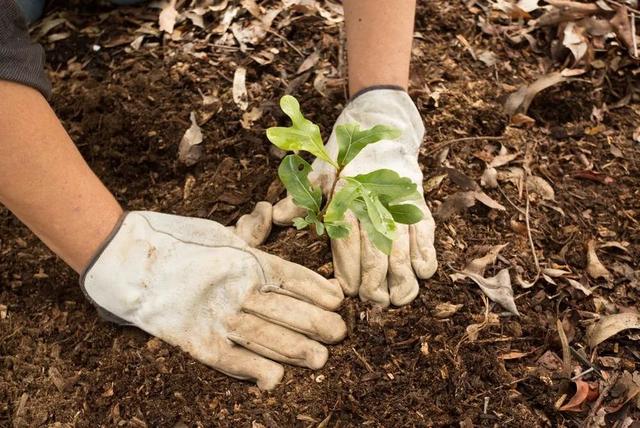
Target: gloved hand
(196, 285)
(359, 266)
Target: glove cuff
(375, 88)
(104, 313)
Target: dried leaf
(489, 178)
(488, 58)
(575, 404)
(497, 288)
(528, 5)
(309, 62)
(578, 286)
(433, 183)
(540, 187)
(595, 268)
(456, 203)
(611, 325)
(502, 159)
(239, 89)
(445, 310)
(251, 116)
(478, 266)
(622, 27)
(168, 17)
(519, 101)
(575, 41)
(488, 201)
(189, 151)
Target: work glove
(359, 266)
(195, 284)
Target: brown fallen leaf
(610, 325)
(479, 265)
(513, 355)
(519, 101)
(189, 151)
(580, 397)
(594, 176)
(540, 187)
(622, 27)
(445, 310)
(595, 268)
(460, 201)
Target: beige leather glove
(197, 285)
(361, 268)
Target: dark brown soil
(127, 110)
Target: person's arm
(45, 181)
(379, 37)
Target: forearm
(45, 182)
(379, 37)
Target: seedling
(378, 199)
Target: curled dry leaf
(168, 17)
(478, 266)
(489, 178)
(575, 40)
(189, 151)
(239, 89)
(580, 397)
(540, 187)
(611, 325)
(622, 27)
(519, 101)
(595, 268)
(497, 288)
(579, 286)
(445, 310)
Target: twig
(363, 361)
(633, 35)
(617, 3)
(442, 144)
(520, 210)
(579, 375)
(284, 39)
(594, 409)
(515, 382)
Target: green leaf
(380, 217)
(351, 140)
(338, 230)
(405, 213)
(300, 223)
(293, 172)
(381, 242)
(389, 186)
(301, 135)
(341, 200)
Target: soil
(127, 109)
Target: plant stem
(333, 189)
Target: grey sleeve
(21, 61)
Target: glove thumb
(286, 210)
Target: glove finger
(254, 228)
(403, 285)
(423, 253)
(241, 363)
(303, 317)
(299, 282)
(275, 342)
(346, 257)
(286, 210)
(374, 265)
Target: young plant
(378, 199)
